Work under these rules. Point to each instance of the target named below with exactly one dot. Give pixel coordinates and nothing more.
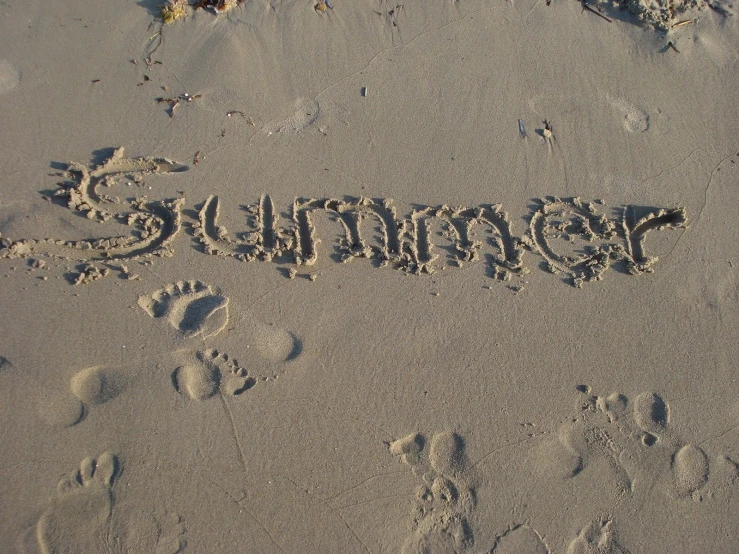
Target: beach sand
(440, 276)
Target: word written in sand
(573, 237)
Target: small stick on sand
(585, 6)
(670, 45)
(681, 23)
(522, 129)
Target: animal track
(191, 307)
(446, 498)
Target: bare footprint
(647, 444)
(446, 498)
(212, 373)
(651, 413)
(584, 441)
(60, 409)
(77, 519)
(635, 120)
(142, 532)
(596, 537)
(191, 307)
(309, 113)
(555, 458)
(520, 539)
(273, 343)
(408, 448)
(689, 470)
(88, 387)
(689, 463)
(81, 519)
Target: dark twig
(585, 6)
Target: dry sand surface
(533, 350)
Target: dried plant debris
(218, 6)
(176, 101)
(322, 5)
(661, 14)
(173, 10)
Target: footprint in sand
(196, 309)
(635, 120)
(78, 518)
(10, 76)
(582, 442)
(637, 440)
(309, 113)
(446, 498)
(191, 307)
(689, 463)
(88, 388)
(213, 372)
(596, 537)
(520, 539)
(651, 414)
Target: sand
(298, 276)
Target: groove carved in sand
(570, 234)
(153, 224)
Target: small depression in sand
(10, 76)
(275, 344)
